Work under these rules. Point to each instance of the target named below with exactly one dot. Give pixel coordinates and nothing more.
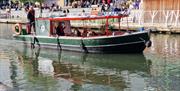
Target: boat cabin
(67, 26)
(45, 27)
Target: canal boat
(89, 41)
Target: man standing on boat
(31, 19)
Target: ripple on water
(4, 68)
(10, 71)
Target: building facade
(161, 4)
(56, 2)
(162, 11)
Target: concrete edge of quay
(12, 21)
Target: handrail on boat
(82, 17)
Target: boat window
(62, 26)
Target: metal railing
(163, 17)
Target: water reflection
(165, 46)
(165, 56)
(6, 31)
(62, 70)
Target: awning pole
(127, 24)
(107, 25)
(119, 21)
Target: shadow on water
(129, 62)
(79, 71)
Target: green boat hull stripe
(50, 44)
(93, 46)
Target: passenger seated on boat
(64, 12)
(91, 33)
(84, 32)
(77, 32)
(60, 29)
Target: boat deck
(113, 34)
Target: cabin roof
(81, 17)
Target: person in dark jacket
(60, 29)
(31, 19)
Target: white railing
(140, 17)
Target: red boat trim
(84, 18)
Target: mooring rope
(58, 43)
(82, 45)
(35, 40)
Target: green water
(25, 69)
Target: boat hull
(127, 43)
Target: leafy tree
(23, 1)
(38, 1)
(33, 1)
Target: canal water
(26, 69)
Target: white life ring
(19, 27)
